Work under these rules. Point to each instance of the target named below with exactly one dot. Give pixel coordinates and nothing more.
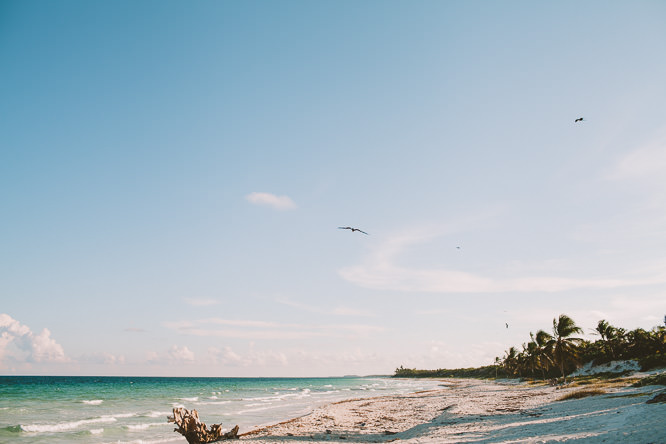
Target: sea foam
(64, 426)
(156, 414)
(93, 401)
(145, 425)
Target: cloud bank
(228, 357)
(382, 269)
(174, 355)
(257, 330)
(18, 344)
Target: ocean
(62, 409)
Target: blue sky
(173, 175)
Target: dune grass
(578, 394)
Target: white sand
(482, 412)
(610, 367)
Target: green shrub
(487, 372)
(650, 362)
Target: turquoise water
(43, 409)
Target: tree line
(559, 352)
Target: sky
(173, 175)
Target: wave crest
(64, 426)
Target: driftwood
(196, 431)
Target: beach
(134, 410)
(124, 410)
(483, 412)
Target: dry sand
(482, 412)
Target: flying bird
(352, 229)
(507, 325)
(580, 119)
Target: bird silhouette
(352, 229)
(507, 325)
(580, 119)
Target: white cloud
(44, 348)
(640, 178)
(644, 163)
(251, 329)
(228, 357)
(271, 200)
(347, 359)
(180, 354)
(12, 326)
(631, 310)
(102, 358)
(19, 344)
(286, 361)
(381, 270)
(173, 355)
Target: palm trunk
(564, 378)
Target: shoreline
(102, 410)
(481, 411)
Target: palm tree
(608, 334)
(544, 358)
(603, 329)
(639, 343)
(519, 363)
(511, 361)
(562, 346)
(532, 354)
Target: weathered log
(195, 431)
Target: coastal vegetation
(578, 394)
(659, 379)
(557, 353)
